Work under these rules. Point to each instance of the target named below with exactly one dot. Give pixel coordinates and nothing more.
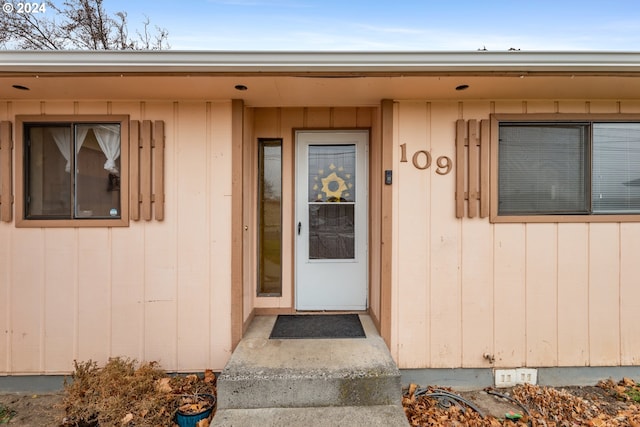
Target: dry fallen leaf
(127, 419)
(412, 390)
(209, 376)
(163, 386)
(628, 382)
(203, 423)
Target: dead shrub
(124, 392)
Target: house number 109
(421, 159)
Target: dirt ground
(498, 407)
(32, 409)
(603, 405)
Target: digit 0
(416, 158)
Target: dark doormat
(298, 326)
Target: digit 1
(403, 153)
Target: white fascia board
(316, 62)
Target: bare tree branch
(77, 24)
(29, 31)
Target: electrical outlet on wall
(505, 377)
(513, 377)
(527, 376)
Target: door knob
(299, 227)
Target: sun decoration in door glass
(332, 173)
(333, 185)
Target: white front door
(331, 220)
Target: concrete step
(351, 416)
(304, 373)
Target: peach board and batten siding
(529, 294)
(151, 291)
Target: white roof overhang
(398, 63)
(319, 78)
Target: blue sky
(382, 25)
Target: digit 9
(444, 164)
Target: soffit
(318, 91)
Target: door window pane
(332, 173)
(331, 231)
(331, 197)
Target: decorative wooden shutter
(472, 171)
(146, 156)
(134, 170)
(6, 194)
(158, 169)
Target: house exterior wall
(527, 294)
(156, 290)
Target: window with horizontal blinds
(568, 168)
(616, 168)
(542, 169)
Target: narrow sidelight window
(269, 217)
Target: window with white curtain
(72, 171)
(571, 168)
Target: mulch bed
(608, 404)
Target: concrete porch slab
(303, 373)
